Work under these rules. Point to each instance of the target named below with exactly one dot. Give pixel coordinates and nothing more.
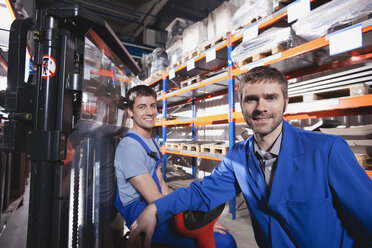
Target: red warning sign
(49, 67)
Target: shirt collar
(275, 149)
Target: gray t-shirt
(132, 160)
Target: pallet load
(269, 43)
(219, 22)
(331, 16)
(159, 61)
(174, 39)
(193, 38)
(359, 139)
(250, 12)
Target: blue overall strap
(150, 153)
(134, 209)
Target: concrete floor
(15, 232)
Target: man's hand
(145, 223)
(218, 227)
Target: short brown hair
(263, 73)
(137, 91)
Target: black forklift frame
(42, 114)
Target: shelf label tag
(298, 9)
(190, 64)
(172, 74)
(345, 40)
(250, 32)
(210, 54)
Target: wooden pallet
(153, 77)
(215, 41)
(279, 4)
(173, 146)
(174, 65)
(189, 55)
(214, 149)
(261, 55)
(191, 81)
(364, 160)
(241, 27)
(190, 147)
(342, 91)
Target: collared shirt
(268, 160)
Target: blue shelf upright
(164, 127)
(231, 99)
(193, 130)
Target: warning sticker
(49, 67)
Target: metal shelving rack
(224, 83)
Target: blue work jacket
(320, 196)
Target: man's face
(144, 112)
(263, 105)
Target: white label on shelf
(190, 64)
(298, 9)
(345, 40)
(172, 74)
(210, 54)
(250, 32)
(174, 58)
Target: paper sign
(210, 55)
(174, 58)
(345, 40)
(172, 74)
(190, 64)
(250, 32)
(298, 9)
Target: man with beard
(303, 189)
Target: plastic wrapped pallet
(251, 11)
(269, 41)
(238, 3)
(320, 20)
(175, 52)
(146, 61)
(194, 36)
(219, 21)
(160, 60)
(175, 30)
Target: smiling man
(303, 189)
(138, 173)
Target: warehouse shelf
(200, 121)
(292, 52)
(220, 82)
(344, 106)
(182, 89)
(201, 66)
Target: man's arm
(146, 187)
(214, 190)
(146, 223)
(352, 190)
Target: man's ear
(130, 112)
(286, 104)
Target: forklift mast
(66, 119)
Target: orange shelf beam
(202, 84)
(194, 156)
(346, 106)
